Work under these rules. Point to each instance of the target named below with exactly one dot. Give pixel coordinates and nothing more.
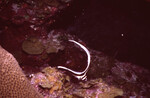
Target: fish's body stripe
(79, 74)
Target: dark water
(119, 28)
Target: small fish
(79, 75)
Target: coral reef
(14, 83)
(106, 77)
(26, 32)
(53, 83)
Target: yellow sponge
(13, 82)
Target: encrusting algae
(59, 84)
(51, 79)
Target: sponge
(13, 82)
